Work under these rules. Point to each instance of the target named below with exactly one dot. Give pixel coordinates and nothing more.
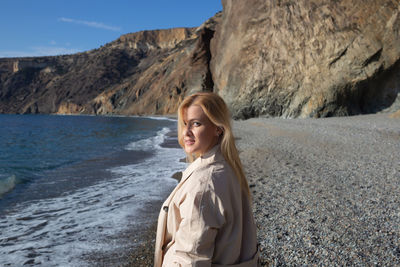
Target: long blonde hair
(217, 112)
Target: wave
(162, 118)
(7, 185)
(149, 144)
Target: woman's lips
(189, 142)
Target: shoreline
(325, 191)
(142, 254)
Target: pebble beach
(325, 191)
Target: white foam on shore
(149, 144)
(61, 231)
(162, 118)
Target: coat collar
(208, 157)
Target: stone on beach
(325, 191)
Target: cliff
(307, 58)
(265, 58)
(140, 73)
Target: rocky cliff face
(286, 58)
(141, 73)
(307, 58)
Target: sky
(55, 27)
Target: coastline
(325, 191)
(143, 252)
(87, 184)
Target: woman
(207, 220)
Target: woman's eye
(196, 123)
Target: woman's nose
(186, 130)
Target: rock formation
(140, 73)
(286, 58)
(307, 58)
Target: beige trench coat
(207, 220)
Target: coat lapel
(162, 218)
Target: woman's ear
(219, 131)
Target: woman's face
(199, 133)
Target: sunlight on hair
(218, 113)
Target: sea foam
(61, 231)
(149, 144)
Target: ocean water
(69, 185)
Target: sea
(71, 186)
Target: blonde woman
(207, 220)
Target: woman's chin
(190, 149)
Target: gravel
(325, 191)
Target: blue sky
(53, 27)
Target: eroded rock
(147, 72)
(307, 58)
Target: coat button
(165, 208)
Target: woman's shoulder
(217, 173)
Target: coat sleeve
(202, 216)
